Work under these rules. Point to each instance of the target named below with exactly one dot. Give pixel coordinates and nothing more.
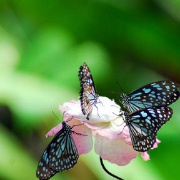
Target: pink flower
(112, 139)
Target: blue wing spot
(161, 93)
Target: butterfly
(61, 154)
(161, 93)
(88, 95)
(144, 124)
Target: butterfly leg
(79, 133)
(124, 121)
(97, 110)
(76, 132)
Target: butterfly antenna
(56, 115)
(114, 176)
(69, 119)
(121, 90)
(64, 113)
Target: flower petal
(115, 151)
(156, 143)
(104, 111)
(114, 130)
(54, 130)
(145, 156)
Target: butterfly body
(144, 124)
(161, 93)
(60, 155)
(88, 95)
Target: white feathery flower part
(105, 110)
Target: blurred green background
(42, 45)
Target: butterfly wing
(64, 153)
(60, 155)
(43, 170)
(88, 95)
(144, 125)
(161, 93)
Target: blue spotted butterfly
(88, 95)
(60, 155)
(144, 124)
(161, 93)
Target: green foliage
(42, 45)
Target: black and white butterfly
(61, 154)
(144, 124)
(88, 96)
(161, 93)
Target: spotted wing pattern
(161, 93)
(144, 125)
(60, 155)
(88, 95)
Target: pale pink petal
(112, 130)
(112, 133)
(104, 111)
(156, 144)
(145, 156)
(115, 151)
(54, 130)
